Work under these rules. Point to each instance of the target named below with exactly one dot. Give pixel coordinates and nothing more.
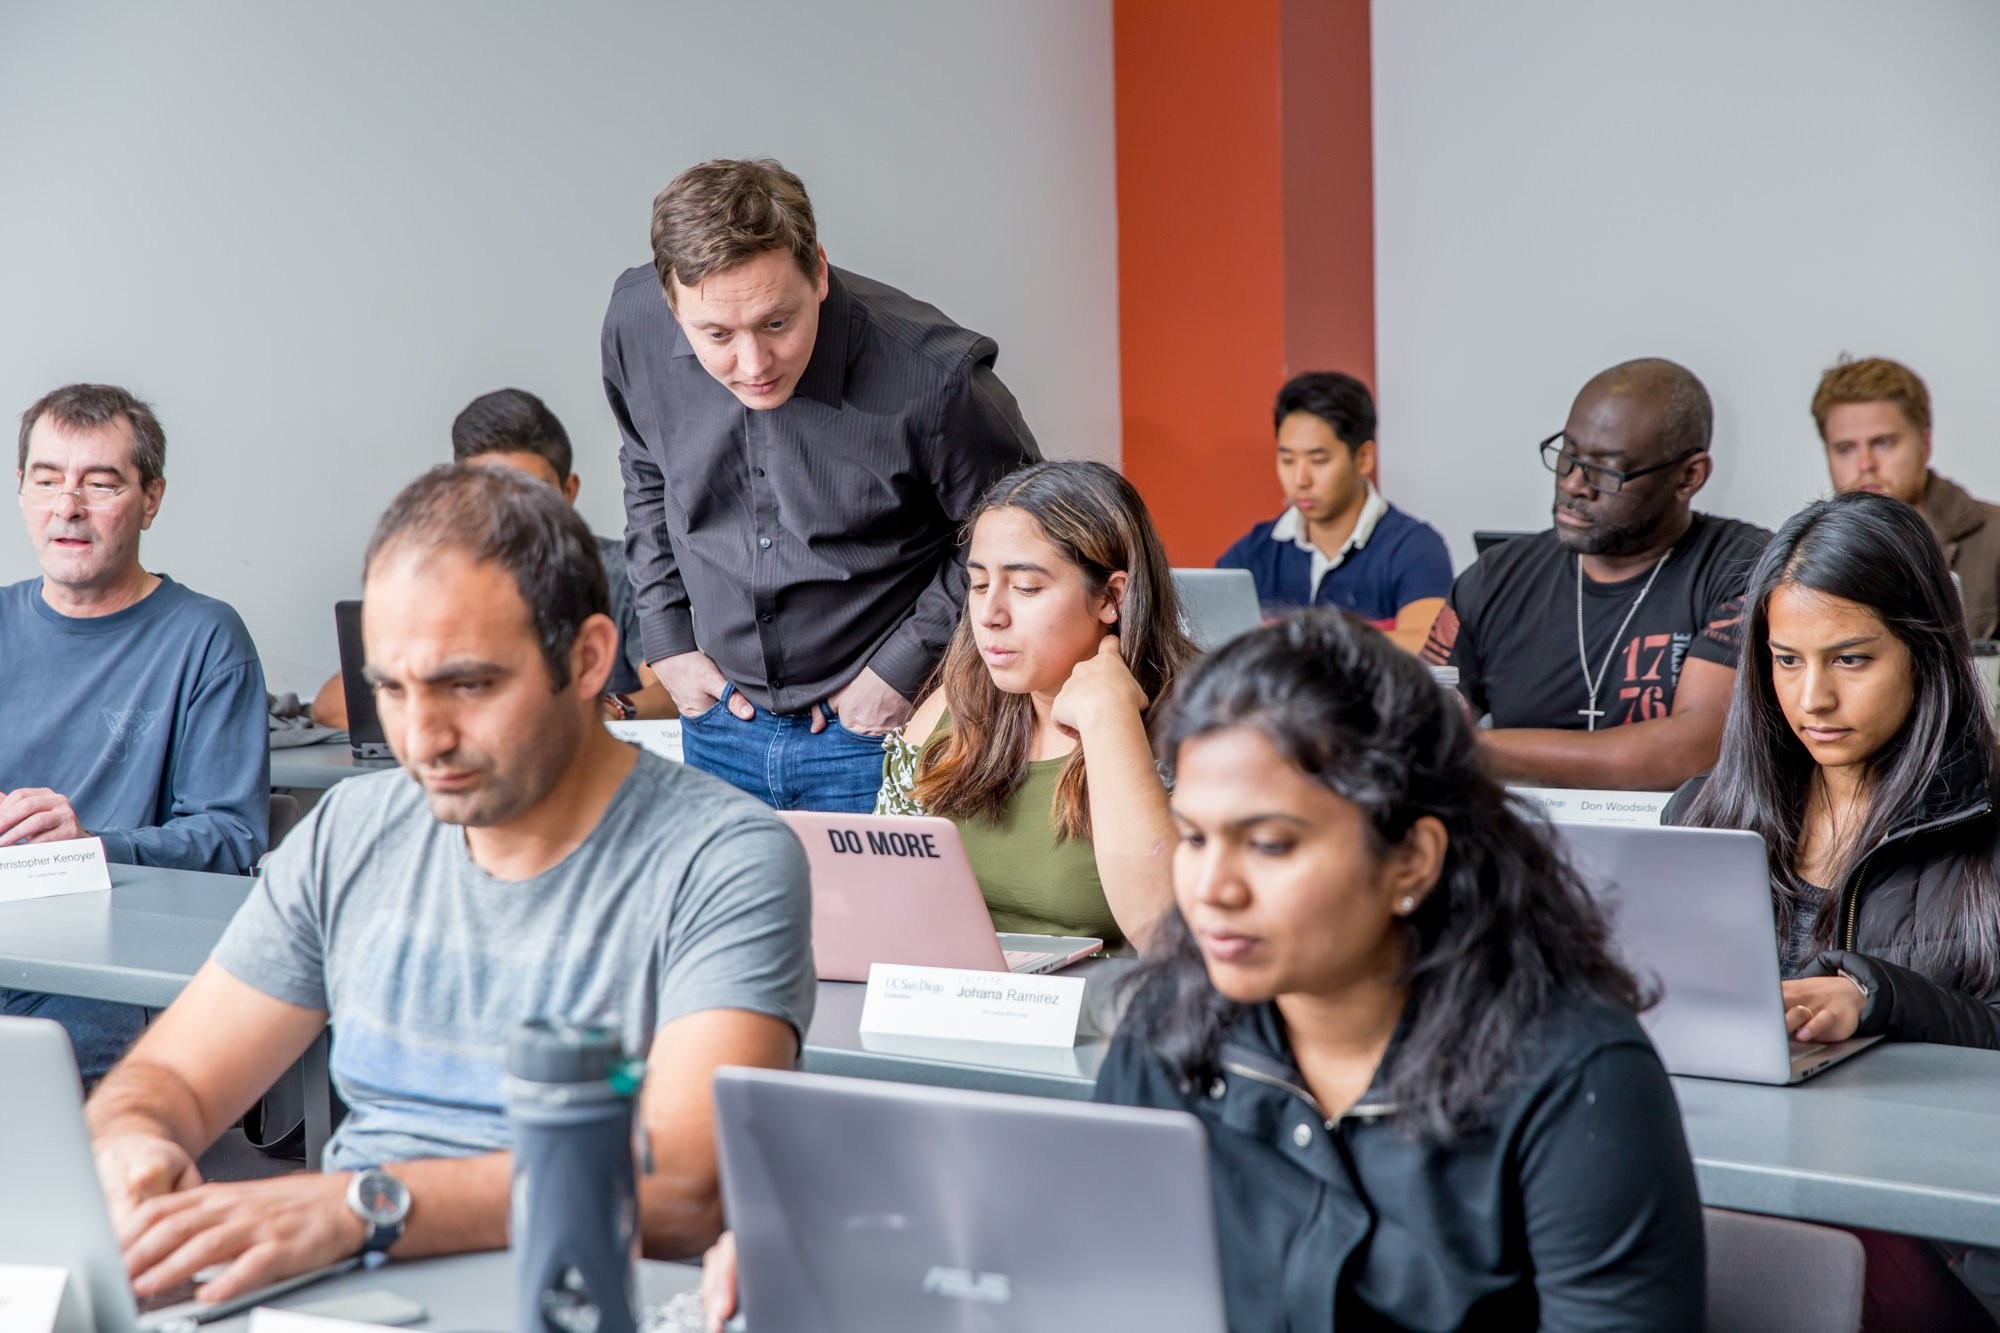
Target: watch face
(380, 1198)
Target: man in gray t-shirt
(373, 911)
(524, 864)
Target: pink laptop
(899, 889)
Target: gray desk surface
(137, 944)
(317, 767)
(1899, 1138)
(464, 1292)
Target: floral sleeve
(899, 777)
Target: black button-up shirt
(798, 545)
(1574, 1208)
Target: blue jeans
(99, 1031)
(781, 762)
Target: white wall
(310, 233)
(1749, 187)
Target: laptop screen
(364, 727)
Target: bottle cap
(545, 1050)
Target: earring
(1408, 905)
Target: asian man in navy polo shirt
(1340, 543)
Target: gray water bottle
(574, 1219)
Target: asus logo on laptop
(962, 1284)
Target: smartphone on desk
(367, 1307)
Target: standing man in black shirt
(1605, 649)
(801, 444)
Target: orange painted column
(1245, 241)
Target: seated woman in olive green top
(1071, 635)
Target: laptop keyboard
(1021, 960)
(176, 1295)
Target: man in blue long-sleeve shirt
(133, 709)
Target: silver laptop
(54, 1213)
(1691, 914)
(934, 1210)
(1217, 604)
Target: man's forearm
(680, 1211)
(460, 1204)
(456, 1204)
(1410, 641)
(1639, 756)
(137, 1097)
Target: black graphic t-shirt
(1510, 627)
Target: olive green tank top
(1033, 884)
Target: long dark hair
(1507, 927)
(1097, 520)
(1879, 553)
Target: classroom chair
(286, 812)
(1774, 1275)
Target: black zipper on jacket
(1854, 880)
(1361, 1110)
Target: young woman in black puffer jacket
(1860, 746)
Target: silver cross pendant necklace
(1591, 712)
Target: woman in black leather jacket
(1428, 1101)
(1860, 746)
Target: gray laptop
(860, 1204)
(1486, 539)
(54, 1213)
(364, 727)
(1217, 604)
(1691, 913)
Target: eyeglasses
(1605, 480)
(49, 494)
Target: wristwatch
(626, 709)
(382, 1201)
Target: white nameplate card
(1597, 807)
(661, 735)
(46, 869)
(29, 1298)
(907, 1001)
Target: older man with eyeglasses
(1605, 648)
(133, 709)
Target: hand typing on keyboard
(1822, 1009)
